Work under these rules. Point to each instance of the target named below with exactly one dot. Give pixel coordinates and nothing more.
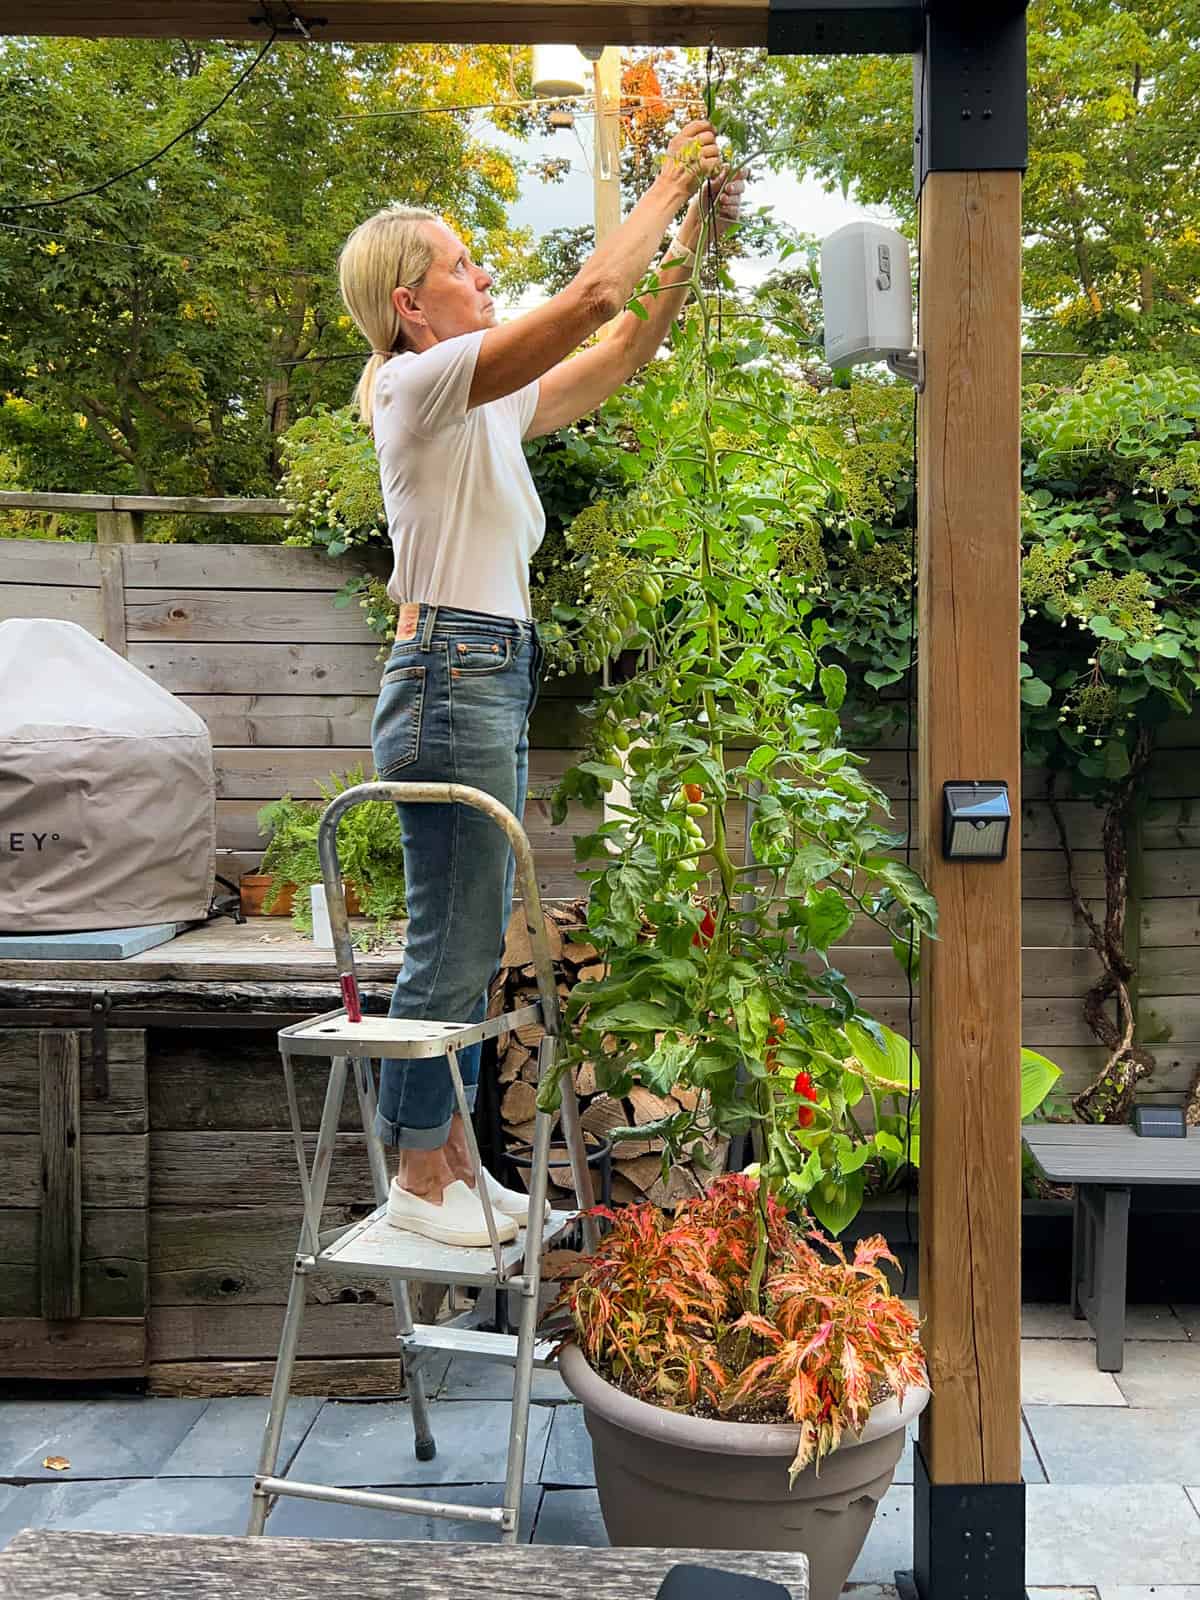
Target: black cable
(99, 188)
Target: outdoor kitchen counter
(149, 1198)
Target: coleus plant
(718, 973)
(667, 1310)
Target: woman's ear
(407, 310)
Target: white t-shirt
(463, 514)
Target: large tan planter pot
(669, 1480)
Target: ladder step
(373, 1247)
(494, 1515)
(477, 1342)
(333, 1034)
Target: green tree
(159, 336)
(1111, 205)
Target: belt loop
(427, 633)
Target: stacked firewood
(637, 1172)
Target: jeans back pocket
(396, 726)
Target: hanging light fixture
(559, 72)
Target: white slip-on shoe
(510, 1202)
(459, 1220)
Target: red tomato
(804, 1086)
(694, 793)
(708, 927)
(805, 1115)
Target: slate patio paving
(1112, 1462)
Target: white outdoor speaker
(866, 288)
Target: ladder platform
(333, 1034)
(501, 1347)
(373, 1247)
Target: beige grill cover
(107, 802)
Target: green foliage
(370, 850)
(144, 331)
(1111, 208)
(731, 700)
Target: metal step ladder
(372, 1248)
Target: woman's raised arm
(522, 350)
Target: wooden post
(114, 529)
(606, 144)
(968, 484)
(62, 1196)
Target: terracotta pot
(255, 890)
(668, 1480)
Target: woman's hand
(724, 191)
(692, 155)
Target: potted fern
(370, 850)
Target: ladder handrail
(433, 794)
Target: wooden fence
(247, 635)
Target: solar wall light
(975, 821)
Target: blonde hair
(388, 251)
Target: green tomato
(621, 738)
(696, 809)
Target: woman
(450, 395)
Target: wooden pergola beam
(724, 22)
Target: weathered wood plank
(322, 1376)
(108, 1566)
(112, 1263)
(222, 1257)
(112, 597)
(239, 566)
(1170, 1019)
(268, 616)
(124, 1109)
(1173, 971)
(89, 1348)
(265, 774)
(1169, 922)
(212, 1170)
(237, 1004)
(55, 602)
(50, 561)
(242, 1091)
(1171, 874)
(260, 668)
(61, 1176)
(248, 1333)
(113, 1170)
(285, 719)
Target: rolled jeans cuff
(399, 1137)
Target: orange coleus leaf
(765, 1330)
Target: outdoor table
(1106, 1165)
(155, 1566)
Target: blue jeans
(453, 707)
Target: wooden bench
(115, 1566)
(1106, 1165)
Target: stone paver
(1094, 1444)
(1189, 1315)
(1064, 1373)
(1159, 1591)
(100, 1438)
(570, 1516)
(1081, 1534)
(1075, 1536)
(1194, 1496)
(477, 1378)
(1141, 1322)
(354, 1444)
(568, 1462)
(136, 1505)
(1162, 1375)
(319, 1519)
(225, 1440)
